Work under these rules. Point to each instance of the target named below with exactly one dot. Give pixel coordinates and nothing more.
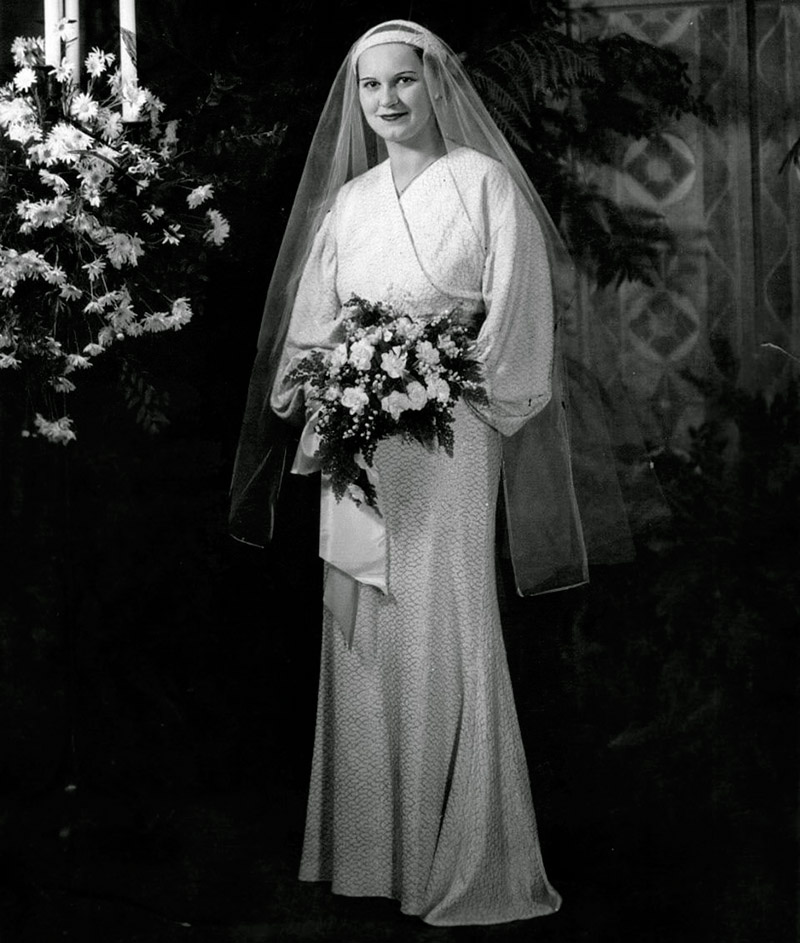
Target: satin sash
(352, 538)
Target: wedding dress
(419, 787)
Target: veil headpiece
(547, 539)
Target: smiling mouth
(394, 117)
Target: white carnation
(393, 363)
(417, 395)
(396, 404)
(361, 354)
(438, 389)
(427, 353)
(338, 356)
(354, 399)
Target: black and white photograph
(399, 471)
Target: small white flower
(146, 165)
(152, 213)
(170, 136)
(94, 269)
(155, 322)
(54, 275)
(47, 213)
(417, 395)
(84, 107)
(427, 353)
(354, 399)
(62, 384)
(97, 62)
(123, 249)
(173, 235)
(407, 329)
(27, 50)
(447, 345)
(25, 79)
(438, 389)
(9, 360)
(55, 430)
(180, 313)
(77, 362)
(70, 292)
(110, 124)
(361, 354)
(200, 195)
(58, 184)
(152, 102)
(393, 363)
(395, 404)
(338, 357)
(64, 72)
(220, 228)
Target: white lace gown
(419, 786)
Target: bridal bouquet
(391, 375)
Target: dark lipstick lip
(398, 114)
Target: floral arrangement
(391, 375)
(100, 225)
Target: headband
(396, 31)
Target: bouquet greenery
(100, 226)
(391, 375)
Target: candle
(73, 37)
(52, 41)
(127, 56)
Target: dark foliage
(566, 105)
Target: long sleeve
(315, 323)
(516, 340)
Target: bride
(411, 196)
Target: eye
(408, 79)
(369, 83)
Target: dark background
(158, 680)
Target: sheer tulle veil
(547, 539)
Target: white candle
(127, 55)
(52, 41)
(73, 37)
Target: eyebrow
(397, 75)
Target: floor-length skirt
(419, 786)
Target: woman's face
(391, 88)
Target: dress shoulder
(472, 166)
(362, 185)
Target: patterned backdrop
(736, 275)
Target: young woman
(411, 196)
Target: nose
(388, 96)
